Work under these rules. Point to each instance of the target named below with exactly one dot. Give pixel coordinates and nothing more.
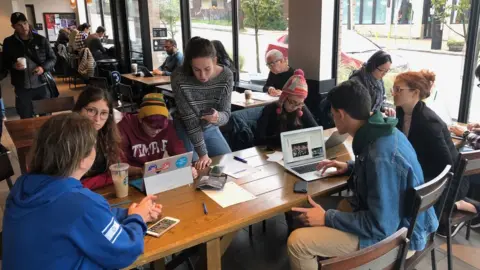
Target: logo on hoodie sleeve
(112, 230)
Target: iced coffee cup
(248, 96)
(22, 61)
(119, 173)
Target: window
(99, 14)
(368, 11)
(133, 18)
(107, 20)
(460, 11)
(272, 34)
(345, 12)
(404, 11)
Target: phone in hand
(162, 226)
(207, 112)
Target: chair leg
(264, 224)
(250, 231)
(449, 249)
(468, 230)
(434, 261)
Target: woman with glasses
(370, 75)
(146, 136)
(279, 74)
(97, 105)
(289, 113)
(425, 130)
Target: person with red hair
(289, 113)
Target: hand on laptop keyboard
(341, 167)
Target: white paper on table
(263, 96)
(237, 169)
(237, 97)
(275, 157)
(230, 195)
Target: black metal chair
(126, 98)
(422, 198)
(468, 164)
(386, 255)
(6, 170)
(99, 82)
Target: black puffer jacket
(14, 47)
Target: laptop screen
(303, 144)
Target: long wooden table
(23, 133)
(149, 81)
(273, 187)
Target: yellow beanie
(153, 104)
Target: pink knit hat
(295, 86)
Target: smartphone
(300, 187)
(162, 226)
(207, 112)
(217, 171)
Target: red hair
(422, 80)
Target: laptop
(302, 150)
(145, 71)
(168, 173)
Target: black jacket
(278, 80)
(431, 139)
(269, 125)
(14, 47)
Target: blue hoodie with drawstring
(55, 223)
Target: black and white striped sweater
(192, 97)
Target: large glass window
(367, 12)
(99, 14)
(212, 19)
(358, 4)
(373, 11)
(94, 13)
(264, 27)
(107, 19)
(133, 17)
(381, 11)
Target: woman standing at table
(52, 222)
(97, 105)
(202, 91)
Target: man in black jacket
(94, 43)
(27, 77)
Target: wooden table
(149, 81)
(22, 133)
(239, 101)
(273, 187)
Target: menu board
(56, 21)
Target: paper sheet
(237, 97)
(263, 96)
(275, 157)
(237, 169)
(230, 195)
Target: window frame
(374, 13)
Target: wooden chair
(386, 255)
(6, 170)
(468, 164)
(52, 105)
(424, 197)
(126, 98)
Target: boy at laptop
(146, 136)
(385, 167)
(289, 113)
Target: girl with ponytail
(289, 113)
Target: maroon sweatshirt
(139, 148)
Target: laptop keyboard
(306, 168)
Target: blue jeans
(216, 143)
(2, 107)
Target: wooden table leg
(225, 241)
(214, 255)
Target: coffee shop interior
(136, 51)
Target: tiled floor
(265, 251)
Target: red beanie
(295, 86)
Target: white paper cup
(134, 68)
(22, 61)
(248, 95)
(120, 179)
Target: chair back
(385, 254)
(52, 105)
(126, 94)
(6, 170)
(99, 82)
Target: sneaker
(442, 232)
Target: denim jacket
(380, 177)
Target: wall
(48, 6)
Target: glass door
(134, 31)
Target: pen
(120, 203)
(205, 209)
(239, 159)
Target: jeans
(2, 107)
(216, 143)
(24, 98)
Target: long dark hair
(197, 47)
(283, 116)
(377, 59)
(222, 56)
(108, 140)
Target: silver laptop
(302, 151)
(168, 173)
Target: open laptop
(302, 151)
(168, 173)
(145, 71)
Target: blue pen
(239, 159)
(205, 209)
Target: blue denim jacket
(381, 176)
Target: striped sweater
(193, 97)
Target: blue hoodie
(52, 223)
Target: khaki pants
(306, 244)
